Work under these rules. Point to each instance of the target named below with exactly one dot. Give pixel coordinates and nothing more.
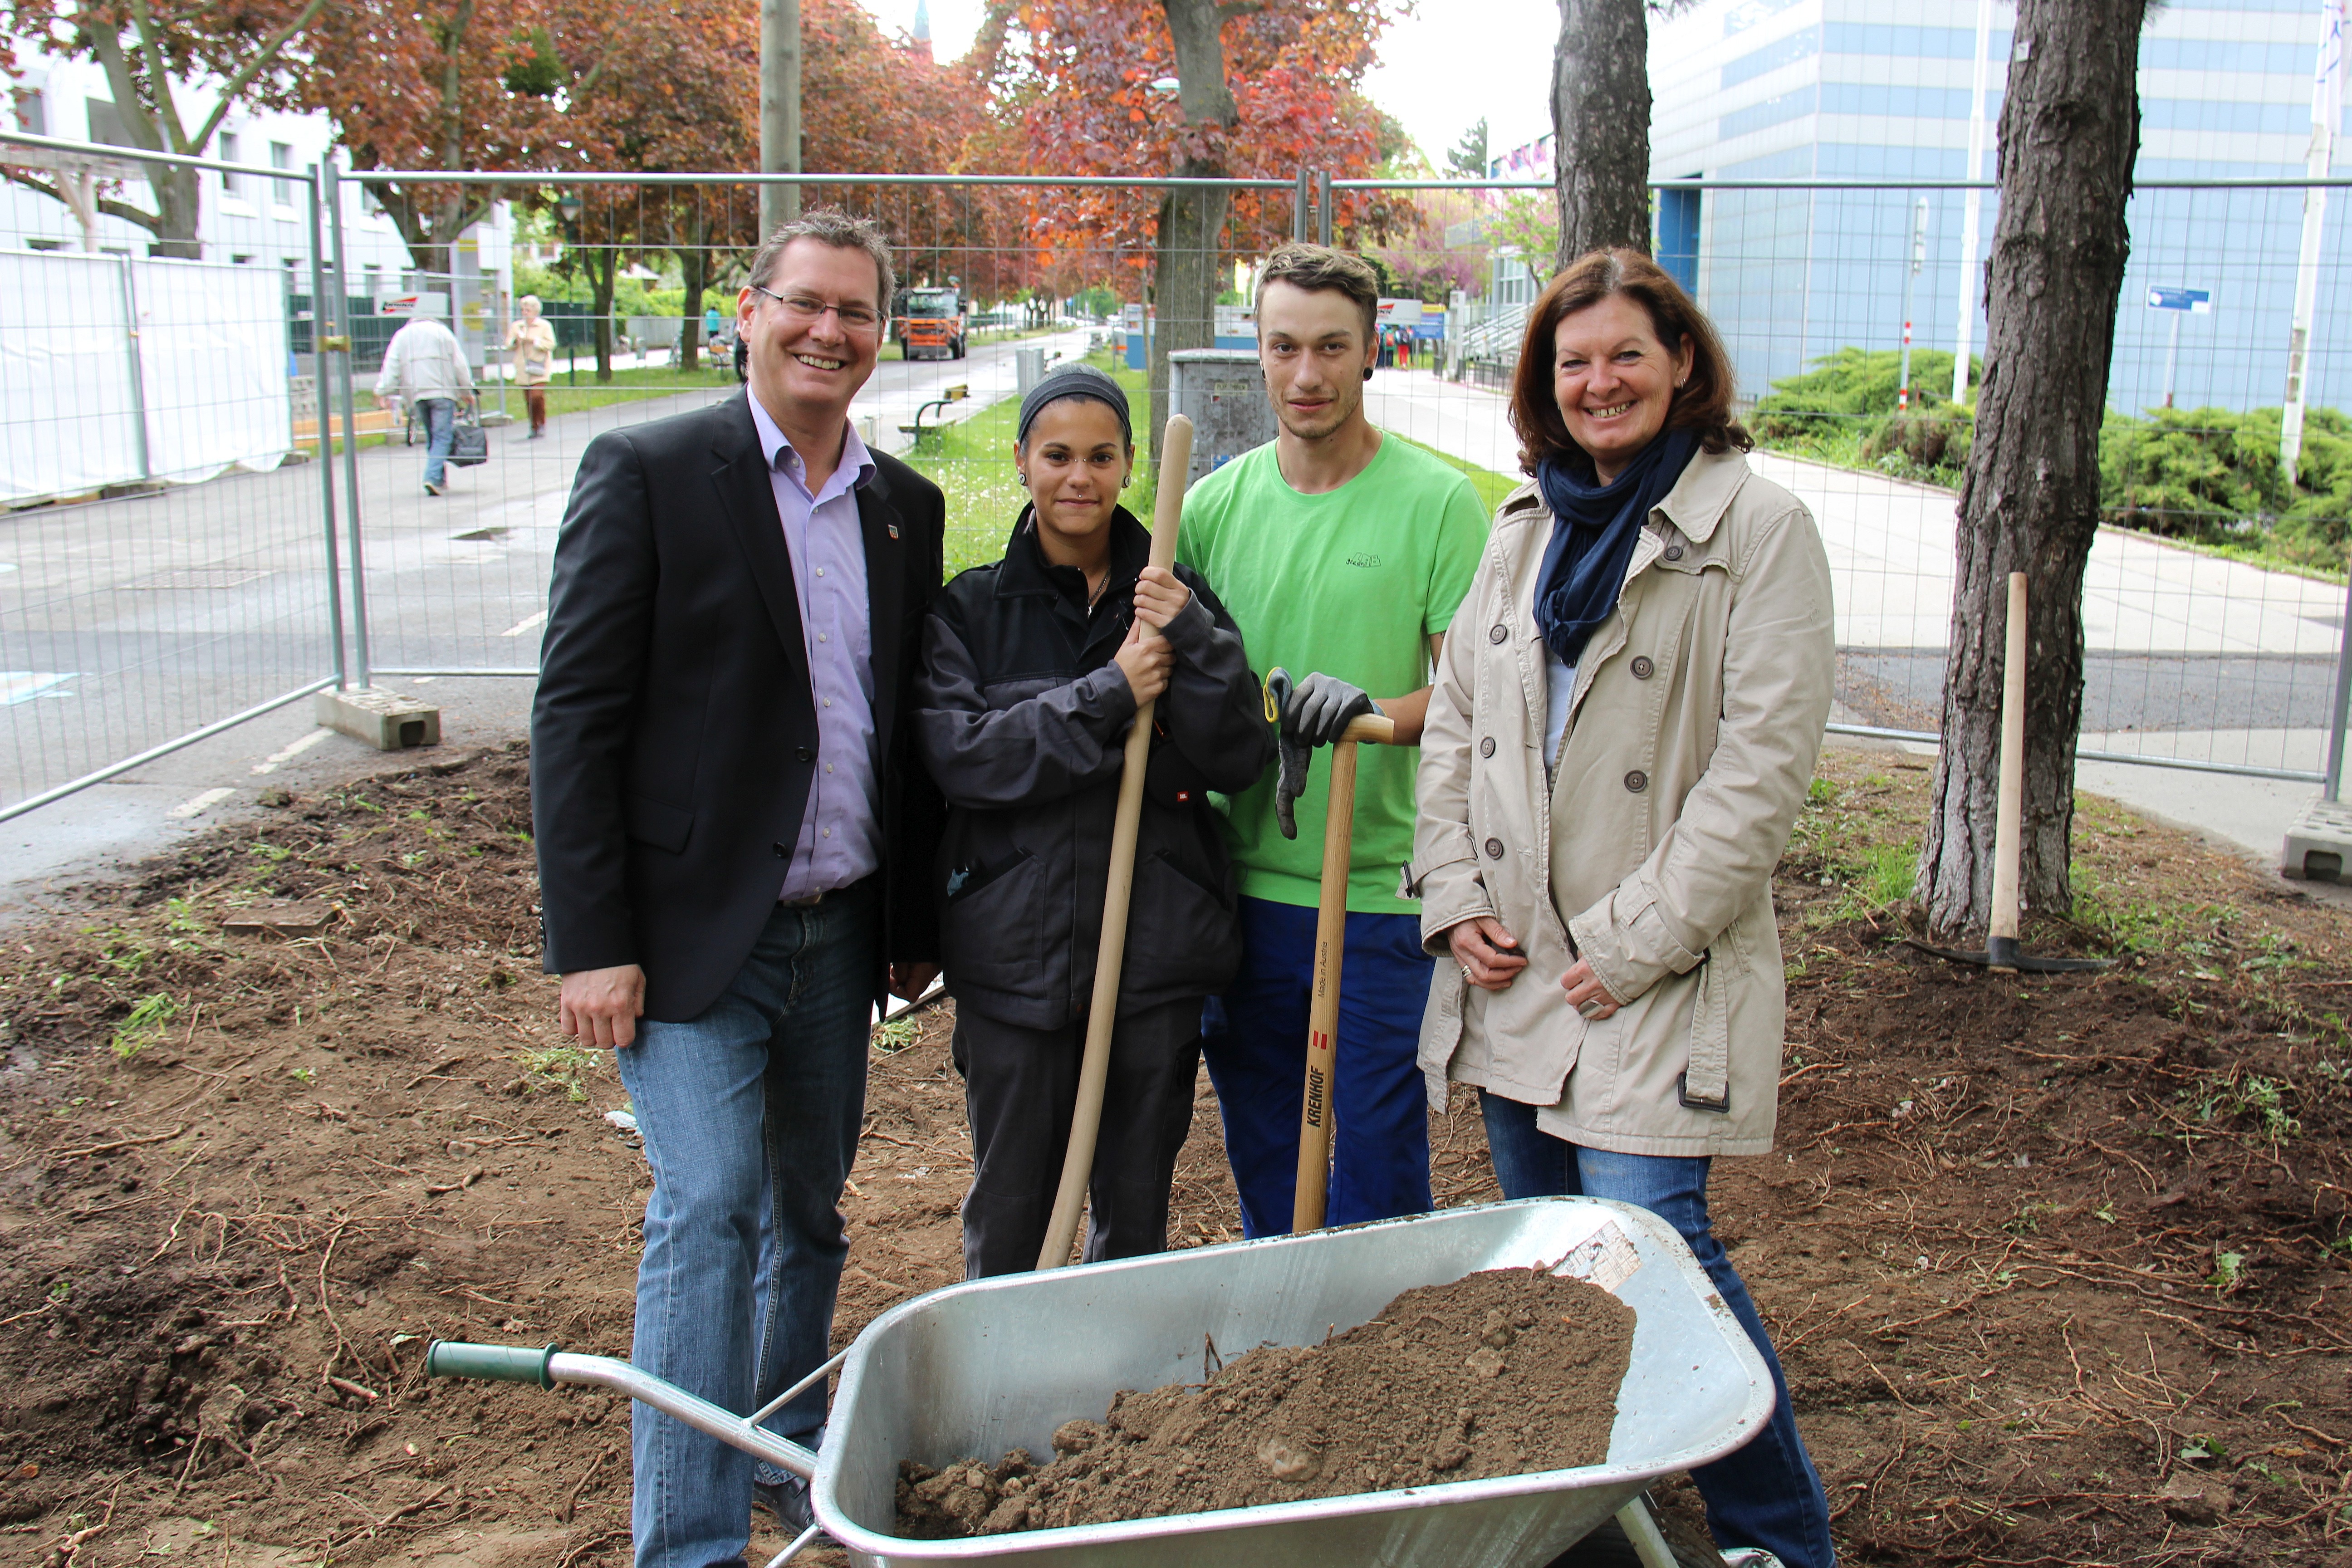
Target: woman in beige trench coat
(1621, 732)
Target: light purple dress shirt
(841, 832)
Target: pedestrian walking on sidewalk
(1032, 671)
(1617, 748)
(532, 340)
(423, 362)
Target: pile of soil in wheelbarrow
(1500, 1374)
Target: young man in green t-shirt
(1342, 554)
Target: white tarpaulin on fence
(84, 403)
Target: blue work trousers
(751, 1114)
(1766, 1494)
(440, 415)
(1254, 1039)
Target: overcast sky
(1440, 70)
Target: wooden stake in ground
(2001, 953)
(1110, 953)
(1315, 1117)
(2009, 811)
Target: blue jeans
(440, 429)
(1766, 1494)
(1254, 1039)
(750, 1115)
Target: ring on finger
(1591, 1006)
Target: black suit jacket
(674, 736)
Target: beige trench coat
(1691, 739)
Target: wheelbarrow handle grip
(503, 1364)
(1377, 728)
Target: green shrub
(1842, 411)
(1855, 384)
(2212, 475)
(2206, 475)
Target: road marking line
(523, 625)
(269, 763)
(24, 685)
(211, 797)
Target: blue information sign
(2196, 302)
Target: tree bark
(603, 264)
(1188, 245)
(694, 272)
(2069, 133)
(1601, 126)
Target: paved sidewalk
(2178, 643)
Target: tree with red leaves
(1247, 88)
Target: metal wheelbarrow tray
(976, 1369)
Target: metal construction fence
(137, 617)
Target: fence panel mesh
(161, 559)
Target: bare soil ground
(2059, 1267)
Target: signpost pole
(1910, 280)
(2172, 356)
(1972, 207)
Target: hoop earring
(1023, 474)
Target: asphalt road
(128, 623)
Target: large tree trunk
(694, 272)
(1192, 221)
(174, 222)
(1601, 126)
(2069, 133)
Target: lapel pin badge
(894, 529)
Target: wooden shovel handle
(1093, 1067)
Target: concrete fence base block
(388, 720)
(2319, 843)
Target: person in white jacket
(423, 362)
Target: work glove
(1312, 712)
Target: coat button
(1637, 780)
(1674, 553)
(1494, 849)
(1486, 747)
(1495, 634)
(1642, 667)
(803, 754)
(782, 853)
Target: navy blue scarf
(1594, 529)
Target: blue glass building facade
(1829, 89)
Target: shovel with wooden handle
(1330, 943)
(1110, 953)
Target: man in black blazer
(734, 844)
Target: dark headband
(1075, 380)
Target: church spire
(923, 28)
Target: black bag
(468, 443)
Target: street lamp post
(568, 207)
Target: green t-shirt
(1352, 583)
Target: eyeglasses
(808, 310)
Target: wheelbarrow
(976, 1369)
